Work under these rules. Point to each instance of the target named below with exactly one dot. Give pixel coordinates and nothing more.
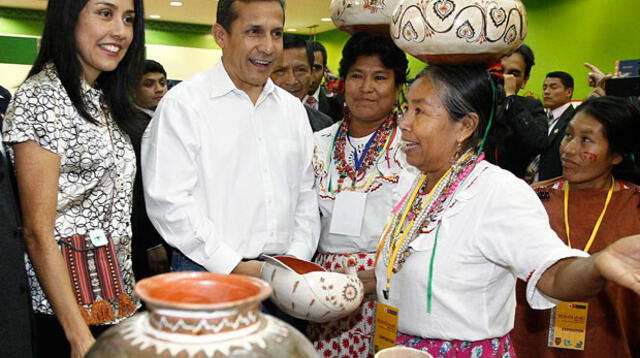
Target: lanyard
(358, 161)
(396, 244)
(598, 222)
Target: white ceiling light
(292, 30)
(176, 3)
(326, 19)
(154, 16)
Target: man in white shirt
(227, 158)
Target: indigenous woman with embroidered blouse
(75, 170)
(593, 204)
(464, 230)
(357, 164)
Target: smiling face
(555, 94)
(103, 34)
(431, 137)
(370, 90)
(151, 88)
(252, 47)
(584, 151)
(293, 72)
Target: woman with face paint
(594, 203)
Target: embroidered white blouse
(385, 171)
(494, 231)
(41, 111)
(225, 179)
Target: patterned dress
(352, 336)
(97, 168)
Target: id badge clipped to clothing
(568, 325)
(98, 238)
(348, 213)
(386, 327)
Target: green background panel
(18, 50)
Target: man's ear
(219, 35)
(525, 79)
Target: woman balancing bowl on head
(593, 204)
(465, 230)
(75, 170)
(357, 165)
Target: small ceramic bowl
(402, 352)
(305, 290)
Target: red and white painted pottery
(202, 315)
(305, 290)
(402, 352)
(459, 31)
(352, 16)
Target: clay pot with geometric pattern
(202, 315)
(353, 16)
(307, 291)
(459, 31)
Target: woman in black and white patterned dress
(75, 170)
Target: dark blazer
(526, 135)
(317, 119)
(15, 302)
(144, 235)
(550, 165)
(331, 106)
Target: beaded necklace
(379, 141)
(418, 212)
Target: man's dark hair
(292, 41)
(151, 66)
(58, 46)
(565, 78)
(317, 46)
(529, 59)
(364, 44)
(226, 13)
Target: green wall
(563, 34)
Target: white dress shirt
(225, 179)
(494, 231)
(557, 113)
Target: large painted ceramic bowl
(459, 31)
(307, 291)
(352, 16)
(402, 352)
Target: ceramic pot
(402, 352)
(307, 291)
(353, 16)
(202, 315)
(459, 31)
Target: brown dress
(613, 323)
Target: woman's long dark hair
(621, 126)
(58, 45)
(471, 89)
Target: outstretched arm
(582, 278)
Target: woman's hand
(620, 262)
(81, 343)
(368, 279)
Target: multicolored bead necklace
(379, 141)
(414, 213)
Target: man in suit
(317, 97)
(293, 73)
(557, 91)
(149, 251)
(524, 132)
(15, 303)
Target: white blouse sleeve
(515, 233)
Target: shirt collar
(316, 94)
(558, 111)
(224, 84)
(148, 111)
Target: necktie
(312, 102)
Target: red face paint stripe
(589, 156)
